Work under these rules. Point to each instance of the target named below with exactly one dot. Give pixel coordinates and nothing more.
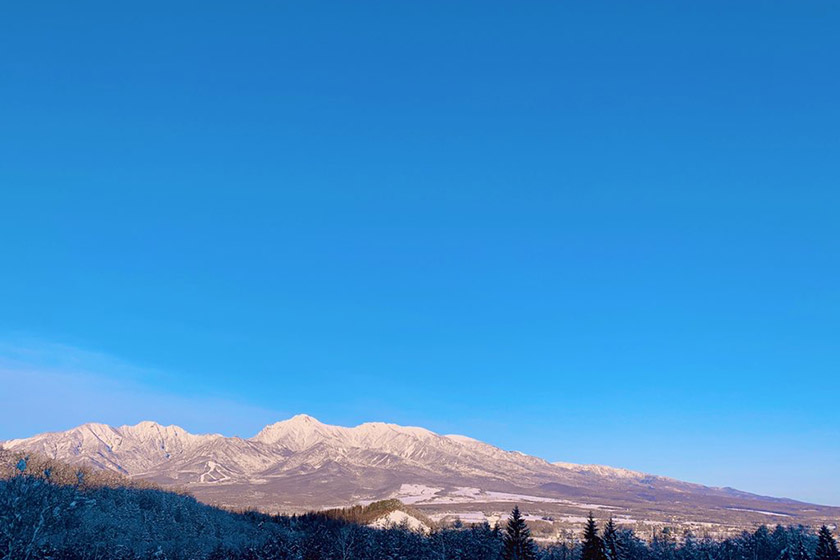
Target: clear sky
(595, 232)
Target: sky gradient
(601, 234)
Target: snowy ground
(398, 519)
(428, 495)
(759, 511)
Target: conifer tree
(826, 546)
(801, 553)
(795, 549)
(786, 554)
(518, 544)
(612, 544)
(593, 546)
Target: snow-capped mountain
(301, 463)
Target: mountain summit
(301, 463)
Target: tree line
(51, 511)
(615, 543)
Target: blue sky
(595, 233)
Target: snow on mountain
(301, 463)
(298, 433)
(601, 470)
(127, 449)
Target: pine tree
(663, 545)
(795, 548)
(826, 546)
(593, 546)
(612, 545)
(762, 545)
(518, 544)
(786, 554)
(801, 553)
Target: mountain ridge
(300, 464)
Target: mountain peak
(151, 428)
(303, 419)
(146, 425)
(379, 427)
(297, 420)
(92, 427)
(298, 432)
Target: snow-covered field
(416, 493)
(420, 494)
(759, 511)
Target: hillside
(46, 516)
(301, 464)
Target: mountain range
(302, 464)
